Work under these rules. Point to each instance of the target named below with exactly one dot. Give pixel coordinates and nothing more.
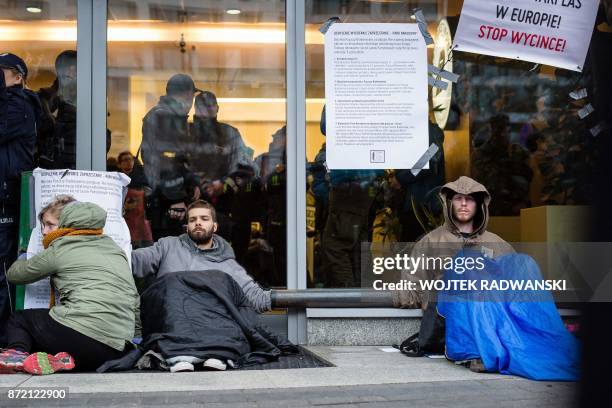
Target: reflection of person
(503, 167)
(348, 224)
(98, 300)
(217, 147)
(199, 249)
(57, 144)
(466, 215)
(165, 129)
(19, 113)
(135, 200)
(417, 187)
(177, 187)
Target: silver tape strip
(437, 83)
(330, 21)
(449, 76)
(420, 18)
(579, 94)
(425, 158)
(586, 111)
(598, 128)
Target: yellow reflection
(155, 31)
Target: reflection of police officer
(348, 223)
(276, 218)
(246, 207)
(57, 135)
(170, 199)
(217, 148)
(164, 128)
(19, 113)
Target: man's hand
(177, 211)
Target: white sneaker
(181, 367)
(214, 364)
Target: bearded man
(200, 249)
(466, 217)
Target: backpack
(430, 337)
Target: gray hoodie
(178, 254)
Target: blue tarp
(513, 332)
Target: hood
(466, 185)
(220, 251)
(82, 216)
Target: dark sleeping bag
(205, 314)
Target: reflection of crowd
(206, 159)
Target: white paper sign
(376, 96)
(551, 32)
(100, 187)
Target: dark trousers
(9, 227)
(34, 330)
(348, 225)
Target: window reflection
(510, 125)
(45, 38)
(197, 97)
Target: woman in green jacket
(93, 317)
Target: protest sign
(100, 187)
(376, 96)
(551, 32)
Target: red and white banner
(551, 32)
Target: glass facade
(45, 38)
(198, 105)
(511, 125)
(196, 109)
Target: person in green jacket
(94, 315)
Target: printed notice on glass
(100, 187)
(376, 96)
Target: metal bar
(98, 86)
(300, 181)
(339, 298)
(292, 247)
(84, 91)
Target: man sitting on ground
(199, 249)
(466, 215)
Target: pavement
(361, 377)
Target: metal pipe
(331, 298)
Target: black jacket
(19, 113)
(205, 314)
(164, 129)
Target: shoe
(42, 363)
(181, 367)
(11, 361)
(214, 364)
(476, 365)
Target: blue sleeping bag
(513, 332)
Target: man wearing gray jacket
(198, 250)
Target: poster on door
(376, 96)
(550, 32)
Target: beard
(200, 236)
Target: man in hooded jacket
(466, 215)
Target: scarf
(64, 232)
